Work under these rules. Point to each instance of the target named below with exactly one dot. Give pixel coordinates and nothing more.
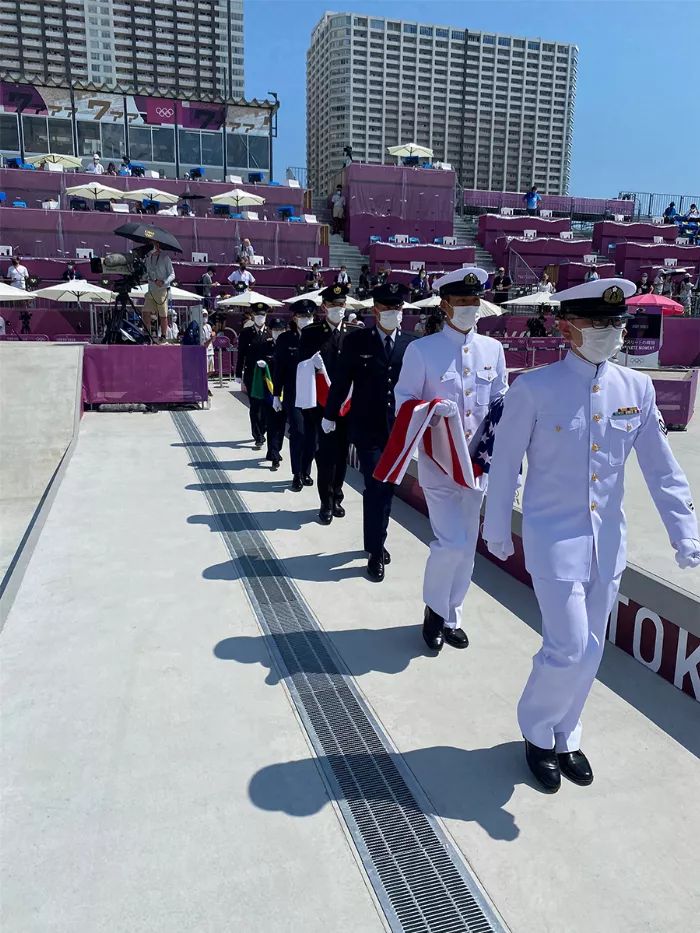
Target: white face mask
(464, 316)
(276, 333)
(259, 320)
(335, 315)
(390, 320)
(600, 343)
(303, 322)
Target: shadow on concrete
(230, 465)
(470, 785)
(232, 445)
(319, 568)
(258, 521)
(387, 650)
(262, 486)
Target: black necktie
(388, 346)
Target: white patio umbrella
(151, 194)
(432, 301)
(535, 298)
(176, 294)
(369, 303)
(407, 150)
(10, 293)
(77, 290)
(314, 296)
(488, 309)
(238, 198)
(249, 298)
(95, 191)
(56, 158)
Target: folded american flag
(444, 444)
(481, 447)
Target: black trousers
(302, 442)
(331, 457)
(258, 421)
(276, 421)
(376, 501)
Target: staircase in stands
(465, 231)
(341, 253)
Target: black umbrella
(144, 233)
(188, 195)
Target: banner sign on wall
(643, 340)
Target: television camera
(124, 323)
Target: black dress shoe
(338, 510)
(275, 466)
(325, 516)
(544, 765)
(306, 480)
(576, 767)
(297, 485)
(257, 446)
(375, 568)
(432, 629)
(456, 637)
(386, 556)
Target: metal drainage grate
(420, 879)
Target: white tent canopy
(95, 191)
(56, 158)
(176, 294)
(535, 298)
(408, 150)
(76, 290)
(238, 198)
(10, 293)
(151, 194)
(248, 298)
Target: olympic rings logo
(165, 112)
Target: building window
(535, 46)
(489, 40)
(458, 35)
(426, 30)
(442, 33)
(376, 24)
(503, 40)
(409, 29)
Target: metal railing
(647, 204)
(298, 172)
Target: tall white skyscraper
(191, 49)
(498, 108)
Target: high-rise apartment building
(498, 108)
(190, 49)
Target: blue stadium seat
(439, 240)
(375, 239)
(255, 178)
(19, 203)
(297, 220)
(413, 239)
(274, 183)
(221, 210)
(237, 216)
(392, 239)
(286, 211)
(196, 173)
(3, 196)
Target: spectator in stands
(206, 337)
(659, 282)
(644, 286)
(111, 169)
(435, 322)
(70, 272)
(338, 205)
(314, 279)
(246, 251)
(364, 284)
(160, 275)
(544, 285)
(96, 167)
(685, 292)
(501, 286)
(419, 328)
(241, 274)
(419, 285)
(693, 213)
(125, 167)
(532, 200)
(206, 283)
(591, 275)
(536, 326)
(667, 290)
(670, 213)
(342, 278)
(17, 274)
(172, 331)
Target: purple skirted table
(633, 258)
(611, 232)
(493, 226)
(150, 374)
(432, 257)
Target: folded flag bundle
(313, 386)
(262, 384)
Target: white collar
(584, 368)
(456, 336)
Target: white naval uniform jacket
(468, 369)
(578, 423)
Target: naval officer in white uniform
(468, 371)
(578, 420)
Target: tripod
(119, 329)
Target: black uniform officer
(326, 339)
(371, 361)
(275, 417)
(302, 444)
(255, 345)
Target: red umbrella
(667, 305)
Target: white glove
(327, 426)
(276, 404)
(687, 553)
(446, 408)
(317, 360)
(501, 549)
(262, 364)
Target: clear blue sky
(637, 120)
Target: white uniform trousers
(574, 622)
(454, 514)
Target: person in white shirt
(591, 275)
(246, 252)
(685, 292)
(667, 290)
(172, 332)
(338, 204)
(659, 283)
(17, 274)
(96, 167)
(160, 275)
(544, 285)
(578, 421)
(342, 278)
(207, 340)
(241, 274)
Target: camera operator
(160, 274)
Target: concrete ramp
(40, 388)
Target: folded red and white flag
(313, 386)
(444, 444)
